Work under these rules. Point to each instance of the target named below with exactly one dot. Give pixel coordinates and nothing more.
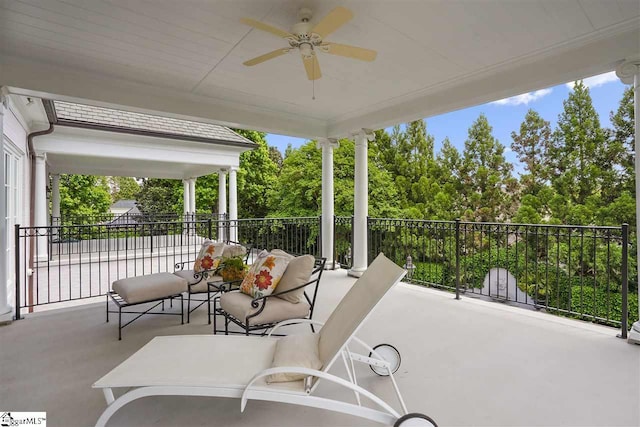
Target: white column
(629, 73)
(327, 146)
(233, 204)
(361, 203)
(55, 196)
(192, 195)
(5, 308)
(41, 208)
(222, 202)
(185, 197)
(55, 204)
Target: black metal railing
(101, 254)
(343, 241)
(104, 235)
(576, 271)
(109, 218)
(293, 235)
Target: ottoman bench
(145, 289)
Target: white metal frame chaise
(166, 366)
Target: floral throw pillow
(264, 275)
(209, 256)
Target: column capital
(362, 136)
(628, 69)
(42, 157)
(223, 171)
(233, 168)
(327, 142)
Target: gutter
(32, 198)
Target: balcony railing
(575, 271)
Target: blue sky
(506, 115)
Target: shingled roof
(89, 116)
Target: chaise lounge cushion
(299, 350)
(238, 305)
(149, 287)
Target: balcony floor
(465, 362)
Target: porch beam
(361, 202)
(327, 145)
(629, 73)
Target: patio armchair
(207, 281)
(257, 315)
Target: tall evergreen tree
(531, 144)
(577, 145)
(486, 175)
(623, 135)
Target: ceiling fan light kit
(308, 39)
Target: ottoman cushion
(149, 287)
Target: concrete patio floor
(466, 362)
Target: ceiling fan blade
(349, 51)
(266, 27)
(312, 67)
(334, 20)
(266, 57)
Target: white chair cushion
(149, 287)
(299, 350)
(238, 305)
(298, 273)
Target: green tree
(531, 145)
(257, 177)
(160, 196)
(488, 186)
(577, 148)
(83, 195)
(123, 188)
(299, 188)
(623, 136)
(276, 156)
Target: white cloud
(525, 98)
(596, 81)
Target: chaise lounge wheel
(415, 420)
(388, 353)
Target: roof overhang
(86, 151)
(433, 58)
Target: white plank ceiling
(184, 58)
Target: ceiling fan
(309, 38)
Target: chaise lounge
(286, 370)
